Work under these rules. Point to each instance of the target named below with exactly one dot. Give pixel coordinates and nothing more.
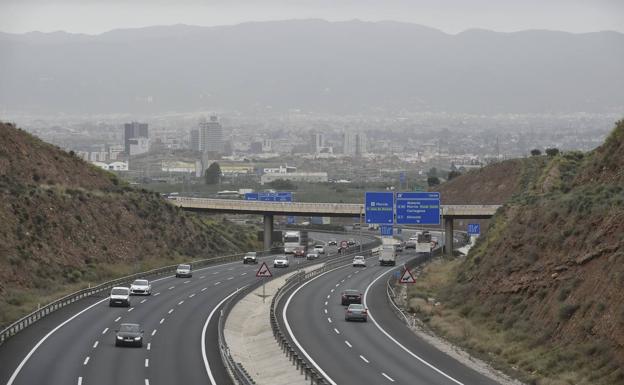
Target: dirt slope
(65, 223)
(551, 266)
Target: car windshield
(356, 307)
(185, 267)
(351, 292)
(134, 328)
(358, 257)
(251, 254)
(119, 291)
(140, 282)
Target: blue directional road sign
(379, 207)
(402, 177)
(422, 208)
(290, 220)
(251, 196)
(275, 197)
(474, 229)
(386, 230)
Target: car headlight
(137, 338)
(119, 337)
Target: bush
(566, 311)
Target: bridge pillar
(448, 236)
(268, 230)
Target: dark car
(356, 311)
(350, 296)
(300, 252)
(129, 335)
(332, 243)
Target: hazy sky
(95, 16)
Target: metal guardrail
(236, 371)
(293, 354)
(50, 308)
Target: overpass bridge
(269, 209)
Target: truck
(388, 254)
(424, 243)
(294, 240)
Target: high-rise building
(134, 130)
(195, 140)
(211, 135)
(318, 142)
(349, 140)
(360, 144)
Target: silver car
(356, 312)
(141, 287)
(281, 261)
(359, 260)
(184, 271)
(311, 256)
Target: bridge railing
(104, 288)
(234, 204)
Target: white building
(211, 135)
(312, 177)
(138, 146)
(114, 166)
(280, 170)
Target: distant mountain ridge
(313, 65)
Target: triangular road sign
(264, 271)
(407, 277)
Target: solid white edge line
(41, 341)
(370, 316)
(203, 336)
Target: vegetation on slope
(65, 224)
(542, 291)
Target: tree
(453, 174)
(213, 173)
(433, 181)
(535, 152)
(432, 172)
(552, 152)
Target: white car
(280, 261)
(141, 287)
(312, 256)
(319, 249)
(184, 271)
(120, 296)
(359, 260)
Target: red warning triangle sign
(407, 277)
(264, 271)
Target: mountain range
(311, 65)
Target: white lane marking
(117, 319)
(86, 361)
(325, 311)
(41, 341)
(204, 289)
(326, 303)
(364, 359)
(156, 294)
(349, 276)
(79, 380)
(187, 281)
(370, 316)
(143, 301)
(217, 283)
(388, 377)
(149, 346)
(342, 281)
(243, 273)
(170, 311)
(230, 278)
(154, 332)
(181, 302)
(146, 381)
(104, 331)
(348, 344)
(96, 344)
(162, 320)
(230, 269)
(328, 296)
(192, 295)
(203, 336)
(171, 287)
(215, 273)
(202, 277)
(332, 290)
(129, 310)
(329, 320)
(337, 331)
(337, 284)
(147, 362)
(357, 271)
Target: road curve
(366, 353)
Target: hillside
(547, 278)
(313, 66)
(65, 223)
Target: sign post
(379, 207)
(418, 208)
(263, 272)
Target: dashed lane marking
(129, 310)
(364, 359)
(192, 295)
(162, 320)
(348, 344)
(156, 294)
(329, 320)
(147, 362)
(143, 301)
(117, 319)
(86, 361)
(388, 377)
(204, 289)
(181, 302)
(79, 380)
(170, 311)
(149, 346)
(104, 331)
(337, 331)
(171, 287)
(154, 332)
(96, 344)
(187, 281)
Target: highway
(380, 351)
(75, 345)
